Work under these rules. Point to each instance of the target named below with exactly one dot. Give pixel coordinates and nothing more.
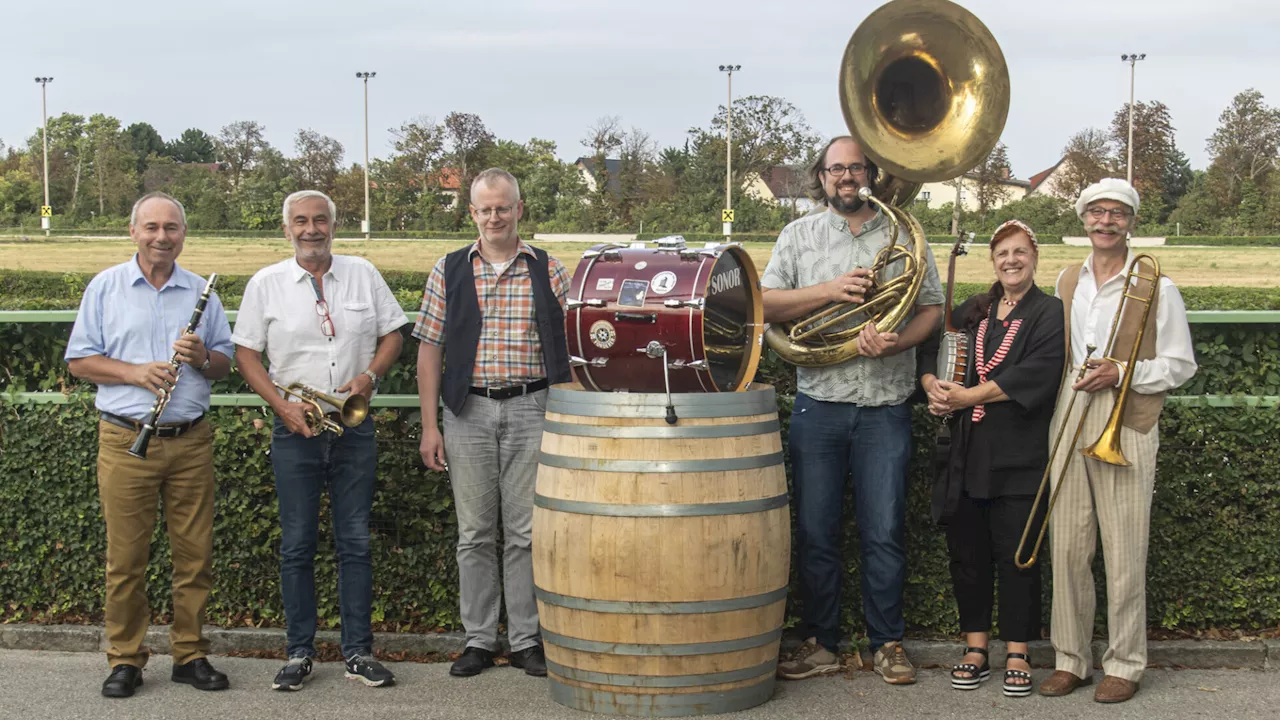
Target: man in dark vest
(494, 313)
(1098, 498)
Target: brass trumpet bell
(925, 89)
(352, 411)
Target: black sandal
(1012, 689)
(976, 675)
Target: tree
(145, 142)
(239, 145)
(318, 160)
(1086, 159)
(419, 145)
(1153, 148)
(602, 139)
(767, 131)
(988, 179)
(468, 140)
(1245, 144)
(194, 146)
(1178, 177)
(113, 165)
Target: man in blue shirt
(129, 325)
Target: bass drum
(667, 318)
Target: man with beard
(331, 323)
(493, 312)
(849, 419)
(129, 318)
(1097, 496)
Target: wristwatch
(372, 376)
(208, 361)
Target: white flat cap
(1108, 189)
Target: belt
(505, 393)
(171, 430)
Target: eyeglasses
(1097, 213)
(836, 171)
(326, 324)
(501, 212)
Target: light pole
(728, 151)
(44, 136)
(364, 226)
(1132, 59)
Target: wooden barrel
(661, 552)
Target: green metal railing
(1195, 317)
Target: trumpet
(1107, 447)
(351, 411)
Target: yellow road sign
(46, 211)
(726, 215)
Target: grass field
(1239, 267)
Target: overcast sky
(550, 68)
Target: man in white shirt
(1098, 496)
(331, 323)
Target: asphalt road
(57, 686)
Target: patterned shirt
(818, 248)
(510, 349)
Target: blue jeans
(829, 441)
(304, 468)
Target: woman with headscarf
(1001, 414)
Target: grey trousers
(492, 449)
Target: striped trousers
(1117, 502)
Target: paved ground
(58, 686)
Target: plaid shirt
(510, 349)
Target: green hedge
(773, 237)
(1237, 240)
(36, 234)
(1215, 538)
(1215, 550)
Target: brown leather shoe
(1114, 690)
(1062, 683)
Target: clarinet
(139, 449)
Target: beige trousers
(1117, 501)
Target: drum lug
(575, 304)
(593, 362)
(698, 304)
(609, 254)
(682, 365)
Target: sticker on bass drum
(605, 284)
(633, 293)
(663, 283)
(603, 335)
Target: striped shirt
(510, 349)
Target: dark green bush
(1215, 548)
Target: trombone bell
(1107, 448)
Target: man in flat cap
(1098, 496)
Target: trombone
(1107, 447)
(351, 411)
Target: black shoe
(369, 671)
(122, 681)
(200, 675)
(472, 662)
(532, 659)
(293, 674)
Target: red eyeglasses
(326, 323)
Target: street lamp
(728, 150)
(364, 226)
(44, 135)
(1132, 59)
